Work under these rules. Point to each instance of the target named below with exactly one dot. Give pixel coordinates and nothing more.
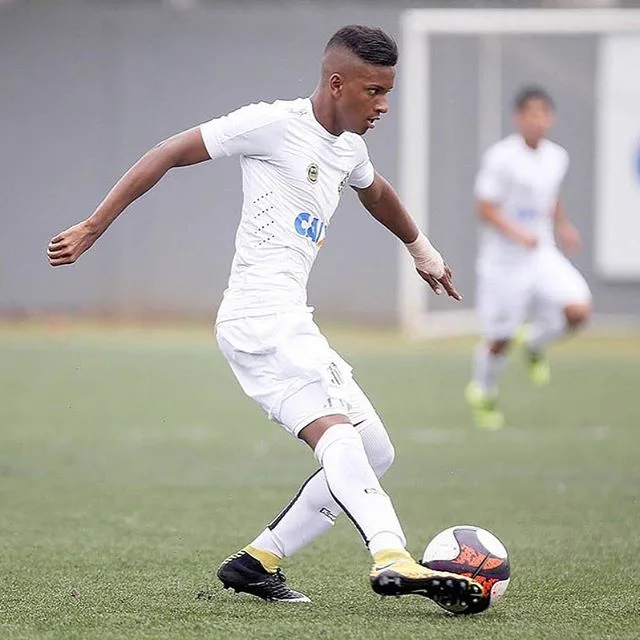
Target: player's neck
(324, 113)
(532, 143)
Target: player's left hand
(568, 237)
(445, 282)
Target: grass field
(131, 464)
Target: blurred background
(87, 87)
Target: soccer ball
(471, 551)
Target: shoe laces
(276, 584)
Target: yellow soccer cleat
(396, 573)
(484, 406)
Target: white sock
(486, 368)
(547, 329)
(313, 510)
(355, 487)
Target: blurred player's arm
(490, 213)
(382, 202)
(567, 234)
(181, 150)
(490, 189)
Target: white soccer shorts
(286, 365)
(507, 294)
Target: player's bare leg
(482, 392)
(577, 315)
(565, 321)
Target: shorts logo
(334, 375)
(309, 226)
(312, 173)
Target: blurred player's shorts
(507, 294)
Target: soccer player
(520, 270)
(297, 156)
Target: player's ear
(336, 83)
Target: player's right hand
(445, 282)
(68, 246)
(528, 239)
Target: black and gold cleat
(244, 573)
(396, 573)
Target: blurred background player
(297, 156)
(519, 268)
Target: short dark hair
(532, 92)
(370, 44)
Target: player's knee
(338, 438)
(382, 458)
(497, 347)
(314, 432)
(380, 451)
(577, 314)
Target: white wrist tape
(426, 258)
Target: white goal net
(459, 72)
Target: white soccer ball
(473, 552)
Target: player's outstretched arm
(382, 202)
(181, 150)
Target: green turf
(131, 464)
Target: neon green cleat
(521, 337)
(537, 364)
(538, 368)
(484, 406)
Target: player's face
(534, 120)
(364, 98)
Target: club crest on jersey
(312, 173)
(310, 227)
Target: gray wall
(85, 90)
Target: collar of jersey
(323, 132)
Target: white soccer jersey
(293, 174)
(525, 183)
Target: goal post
(417, 27)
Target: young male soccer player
(297, 157)
(519, 267)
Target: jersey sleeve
(491, 181)
(564, 164)
(363, 173)
(255, 130)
